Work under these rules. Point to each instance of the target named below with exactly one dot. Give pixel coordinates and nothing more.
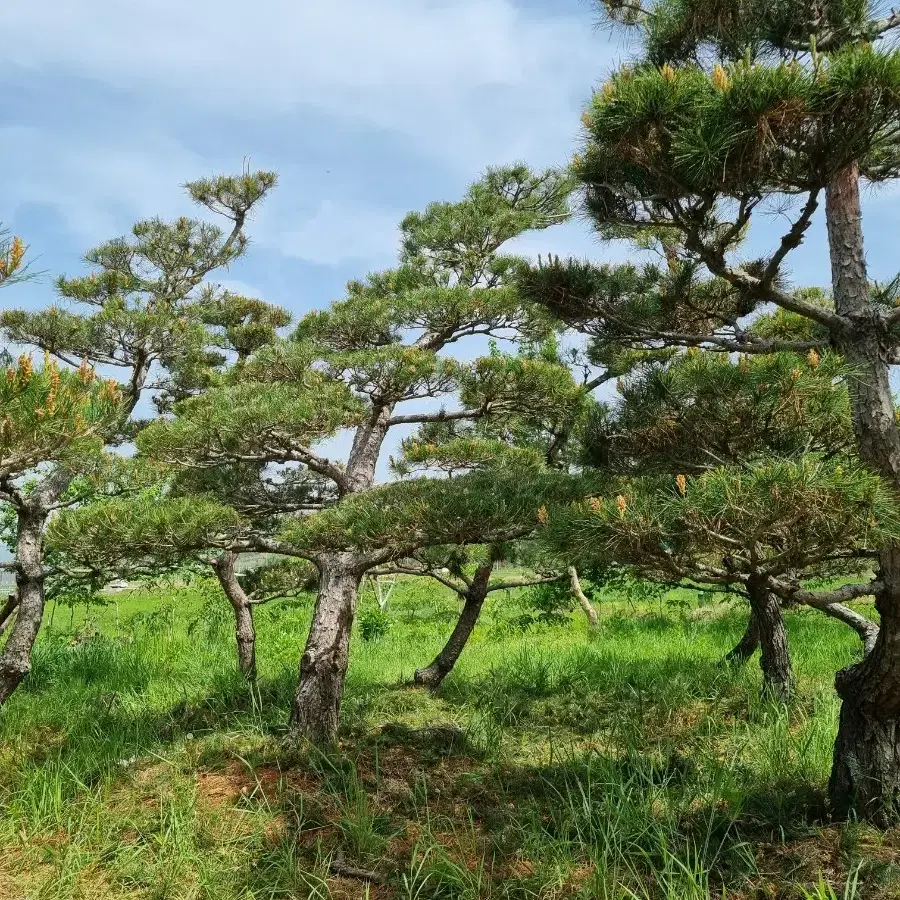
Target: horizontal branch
(832, 604)
(824, 598)
(421, 572)
(512, 583)
(259, 544)
(441, 416)
(737, 343)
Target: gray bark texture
(315, 713)
(865, 777)
(775, 657)
(15, 660)
(244, 630)
(432, 675)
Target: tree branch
(421, 572)
(761, 288)
(441, 416)
(824, 598)
(512, 583)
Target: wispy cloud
(466, 80)
(366, 110)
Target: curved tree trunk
(244, 630)
(433, 674)
(865, 628)
(747, 645)
(865, 777)
(15, 660)
(775, 657)
(315, 712)
(581, 597)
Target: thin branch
(259, 544)
(595, 382)
(761, 288)
(441, 416)
(791, 240)
(512, 583)
(421, 572)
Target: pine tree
(735, 109)
(142, 321)
(701, 411)
(349, 368)
(519, 444)
(760, 527)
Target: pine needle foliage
(769, 517)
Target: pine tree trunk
(315, 713)
(775, 657)
(865, 777)
(432, 675)
(747, 645)
(15, 660)
(581, 597)
(244, 630)
(866, 629)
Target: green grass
(135, 763)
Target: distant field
(554, 763)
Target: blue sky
(365, 109)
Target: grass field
(134, 763)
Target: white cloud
(470, 80)
(337, 234)
(101, 189)
(462, 83)
(98, 186)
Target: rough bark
(581, 597)
(316, 708)
(15, 660)
(775, 657)
(244, 630)
(747, 645)
(432, 675)
(367, 443)
(865, 777)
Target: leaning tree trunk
(15, 660)
(315, 713)
(244, 630)
(581, 597)
(433, 674)
(865, 776)
(8, 611)
(775, 657)
(747, 645)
